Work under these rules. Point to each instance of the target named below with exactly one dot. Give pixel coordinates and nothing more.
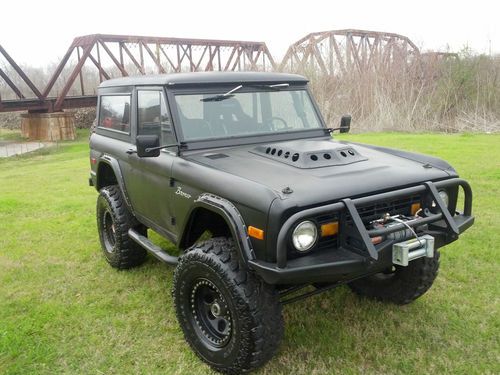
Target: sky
(39, 32)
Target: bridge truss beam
(94, 58)
(111, 56)
(340, 52)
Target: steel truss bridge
(92, 59)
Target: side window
(115, 112)
(153, 117)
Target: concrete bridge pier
(55, 126)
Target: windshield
(209, 116)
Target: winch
(387, 221)
(412, 246)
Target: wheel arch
(219, 212)
(105, 175)
(109, 173)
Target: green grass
(11, 135)
(63, 310)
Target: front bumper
(347, 262)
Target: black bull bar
(454, 225)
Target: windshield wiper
(275, 87)
(229, 94)
(220, 97)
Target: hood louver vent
(303, 154)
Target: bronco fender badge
(182, 194)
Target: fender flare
(115, 166)
(233, 219)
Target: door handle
(131, 151)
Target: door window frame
(160, 89)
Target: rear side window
(115, 113)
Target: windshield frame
(235, 140)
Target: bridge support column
(55, 126)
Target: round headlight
(444, 196)
(305, 235)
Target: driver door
(148, 180)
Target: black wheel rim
(109, 231)
(211, 314)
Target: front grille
(374, 211)
(368, 213)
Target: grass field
(10, 135)
(63, 310)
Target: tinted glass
(246, 113)
(115, 112)
(153, 117)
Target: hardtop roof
(204, 78)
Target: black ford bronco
(240, 171)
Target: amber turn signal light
(256, 233)
(329, 229)
(414, 208)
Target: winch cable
(397, 220)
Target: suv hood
(318, 170)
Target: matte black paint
(246, 186)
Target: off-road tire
(252, 308)
(403, 285)
(113, 222)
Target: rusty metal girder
(122, 55)
(103, 57)
(35, 105)
(21, 74)
(340, 52)
(129, 55)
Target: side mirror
(144, 145)
(345, 124)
